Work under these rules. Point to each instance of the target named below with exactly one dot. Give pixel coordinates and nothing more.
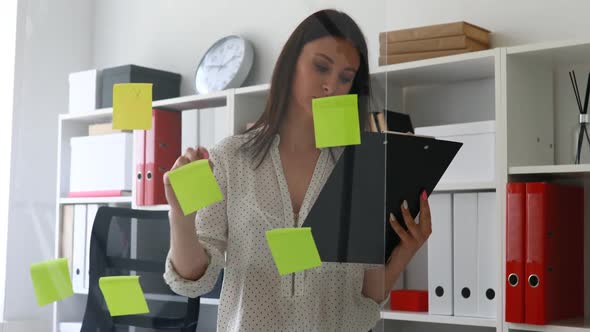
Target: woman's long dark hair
(320, 24)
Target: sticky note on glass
(195, 186)
(123, 295)
(293, 249)
(132, 106)
(51, 281)
(336, 121)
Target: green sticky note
(132, 106)
(195, 186)
(336, 121)
(123, 295)
(293, 249)
(51, 281)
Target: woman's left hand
(417, 233)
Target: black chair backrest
(117, 235)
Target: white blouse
(254, 296)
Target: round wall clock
(225, 65)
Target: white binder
(465, 254)
(78, 266)
(487, 260)
(399, 283)
(416, 275)
(440, 256)
(91, 210)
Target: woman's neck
(297, 133)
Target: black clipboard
(349, 220)
(399, 122)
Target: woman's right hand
(189, 156)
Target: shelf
(466, 186)
(556, 53)
(255, 90)
(453, 68)
(93, 200)
(161, 207)
(211, 100)
(570, 325)
(166, 298)
(427, 318)
(192, 102)
(98, 116)
(553, 171)
(205, 300)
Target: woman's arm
(186, 253)
(379, 281)
(188, 256)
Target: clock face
(220, 65)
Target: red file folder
(554, 252)
(515, 251)
(162, 148)
(139, 151)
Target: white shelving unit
(571, 325)
(516, 89)
(72, 125)
(439, 319)
(541, 112)
(95, 200)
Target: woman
(270, 176)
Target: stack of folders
(463, 252)
(155, 151)
(76, 229)
(544, 252)
(430, 42)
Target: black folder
(349, 220)
(399, 122)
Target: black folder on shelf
(349, 220)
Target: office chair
(111, 252)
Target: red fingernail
(424, 195)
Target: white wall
(53, 39)
(8, 39)
(511, 22)
(173, 35)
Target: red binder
(515, 251)
(554, 252)
(162, 148)
(139, 152)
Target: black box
(165, 84)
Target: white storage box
(84, 91)
(70, 327)
(101, 163)
(475, 161)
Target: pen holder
(582, 141)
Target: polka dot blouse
(254, 296)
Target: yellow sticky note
(123, 295)
(51, 281)
(132, 106)
(293, 249)
(336, 121)
(195, 186)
